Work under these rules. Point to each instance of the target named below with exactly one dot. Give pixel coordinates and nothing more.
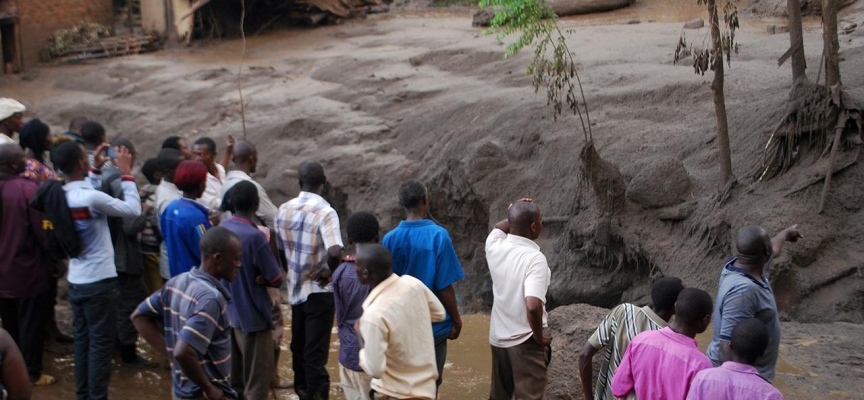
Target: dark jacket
(124, 231)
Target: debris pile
(346, 8)
(87, 41)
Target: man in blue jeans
(423, 249)
(93, 290)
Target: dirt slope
(423, 95)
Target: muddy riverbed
(816, 361)
(423, 95)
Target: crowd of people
(198, 260)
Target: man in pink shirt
(738, 379)
(660, 364)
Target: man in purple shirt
(659, 365)
(24, 295)
(738, 379)
(349, 294)
(251, 309)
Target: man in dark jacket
(130, 266)
(24, 294)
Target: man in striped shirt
(193, 309)
(619, 327)
(308, 232)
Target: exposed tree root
(814, 114)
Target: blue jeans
(94, 312)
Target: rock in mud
(576, 7)
(570, 326)
(664, 182)
(677, 213)
(483, 18)
(697, 23)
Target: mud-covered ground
(422, 94)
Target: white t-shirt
(518, 270)
(212, 197)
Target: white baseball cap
(10, 107)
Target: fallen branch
(848, 159)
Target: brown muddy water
(466, 374)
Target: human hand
(358, 334)
(323, 277)
(61, 266)
(791, 234)
(456, 331)
(229, 143)
(546, 338)
(522, 200)
(146, 208)
(213, 393)
(99, 155)
(260, 281)
(124, 160)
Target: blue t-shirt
(183, 223)
(423, 249)
(739, 297)
(250, 309)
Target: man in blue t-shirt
(745, 292)
(424, 250)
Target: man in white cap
(10, 119)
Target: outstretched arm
(225, 162)
(789, 234)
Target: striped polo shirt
(193, 307)
(616, 331)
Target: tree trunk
(725, 153)
(796, 40)
(832, 45)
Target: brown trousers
(519, 372)
(152, 278)
(252, 363)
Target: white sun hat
(10, 107)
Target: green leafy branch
(553, 66)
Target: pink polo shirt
(659, 365)
(732, 381)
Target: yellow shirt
(398, 347)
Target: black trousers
(311, 325)
(25, 319)
(132, 293)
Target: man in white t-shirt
(518, 330)
(204, 150)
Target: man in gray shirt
(745, 292)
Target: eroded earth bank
(422, 94)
